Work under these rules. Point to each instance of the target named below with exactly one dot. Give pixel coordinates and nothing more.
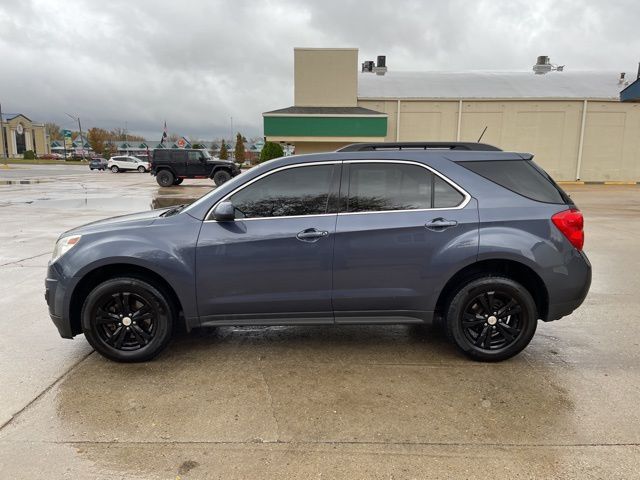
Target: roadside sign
(68, 141)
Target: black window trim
(209, 216)
(463, 192)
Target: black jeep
(172, 165)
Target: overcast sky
(197, 63)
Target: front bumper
(55, 296)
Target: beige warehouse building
(19, 134)
(574, 122)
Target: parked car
(51, 156)
(483, 242)
(126, 162)
(98, 163)
(171, 166)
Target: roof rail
(378, 146)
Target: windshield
(205, 153)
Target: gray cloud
(198, 63)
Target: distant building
(19, 134)
(579, 125)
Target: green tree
(239, 150)
(271, 150)
(224, 153)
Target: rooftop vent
(379, 68)
(543, 65)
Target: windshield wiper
(174, 210)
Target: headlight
(64, 245)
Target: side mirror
(224, 212)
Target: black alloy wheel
(220, 177)
(165, 178)
(127, 319)
(492, 318)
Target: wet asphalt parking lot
(310, 402)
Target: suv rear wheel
(127, 319)
(220, 177)
(491, 318)
(165, 178)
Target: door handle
(311, 235)
(439, 224)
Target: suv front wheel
(127, 319)
(491, 318)
(165, 178)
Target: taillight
(571, 224)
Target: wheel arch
(94, 277)
(515, 270)
(159, 168)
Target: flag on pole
(164, 133)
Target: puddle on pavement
(22, 182)
(106, 203)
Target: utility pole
(77, 119)
(126, 140)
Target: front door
(399, 231)
(273, 264)
(197, 164)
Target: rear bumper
(565, 298)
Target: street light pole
(77, 119)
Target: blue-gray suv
(480, 241)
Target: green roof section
(325, 126)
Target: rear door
(179, 159)
(401, 229)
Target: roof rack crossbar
(368, 147)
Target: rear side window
(375, 187)
(521, 177)
(179, 155)
(160, 155)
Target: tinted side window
(444, 195)
(160, 155)
(294, 191)
(519, 176)
(392, 186)
(194, 156)
(179, 156)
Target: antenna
(482, 134)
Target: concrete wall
(550, 129)
(326, 77)
(317, 147)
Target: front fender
(166, 248)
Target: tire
(165, 178)
(178, 181)
(115, 169)
(473, 325)
(220, 177)
(141, 169)
(109, 320)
